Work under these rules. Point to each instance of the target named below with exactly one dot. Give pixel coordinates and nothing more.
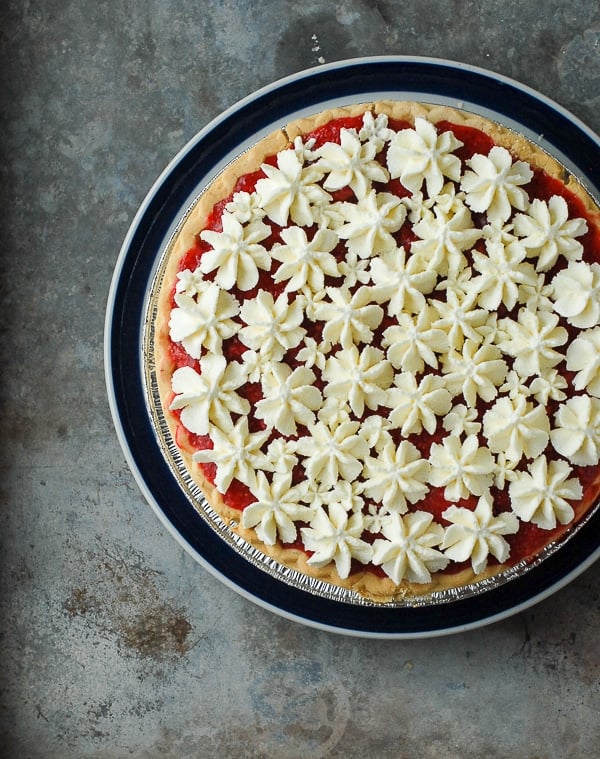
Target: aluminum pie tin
(225, 530)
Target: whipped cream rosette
(377, 345)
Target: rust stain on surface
(155, 634)
(125, 598)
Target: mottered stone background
(115, 643)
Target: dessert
(376, 347)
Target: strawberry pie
(378, 348)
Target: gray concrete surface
(115, 643)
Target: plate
(359, 80)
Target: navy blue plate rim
(349, 81)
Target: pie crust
(364, 581)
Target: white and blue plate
(537, 117)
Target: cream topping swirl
(361, 378)
(414, 341)
(461, 467)
(576, 292)
(350, 318)
(209, 397)
(542, 494)
(245, 206)
(416, 405)
(476, 371)
(277, 508)
(501, 272)
(334, 535)
(290, 398)
(443, 238)
(272, 325)
(204, 321)
(462, 420)
(576, 434)
(517, 428)
(474, 535)
(350, 164)
(422, 155)
(375, 130)
(408, 550)
(532, 341)
(236, 253)
(191, 283)
(370, 223)
(547, 232)
(236, 452)
(396, 476)
(583, 357)
(331, 454)
(290, 190)
(403, 281)
(494, 184)
(459, 318)
(304, 262)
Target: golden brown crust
(364, 582)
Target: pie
(377, 345)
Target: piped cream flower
(350, 318)
(536, 296)
(209, 396)
(396, 477)
(425, 155)
(461, 467)
(474, 535)
(476, 371)
(443, 238)
(461, 420)
(576, 433)
(256, 364)
(501, 272)
(290, 398)
(403, 280)
(494, 184)
(330, 454)
(280, 456)
(375, 130)
(459, 318)
(547, 232)
(517, 428)
(204, 321)
(272, 326)
(191, 283)
(542, 494)
(354, 270)
(408, 549)
(334, 535)
(245, 206)
(374, 429)
(304, 262)
(532, 340)
(350, 164)
(290, 190)
(360, 377)
(312, 354)
(371, 222)
(276, 509)
(417, 405)
(414, 341)
(576, 292)
(236, 453)
(548, 386)
(583, 357)
(236, 252)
